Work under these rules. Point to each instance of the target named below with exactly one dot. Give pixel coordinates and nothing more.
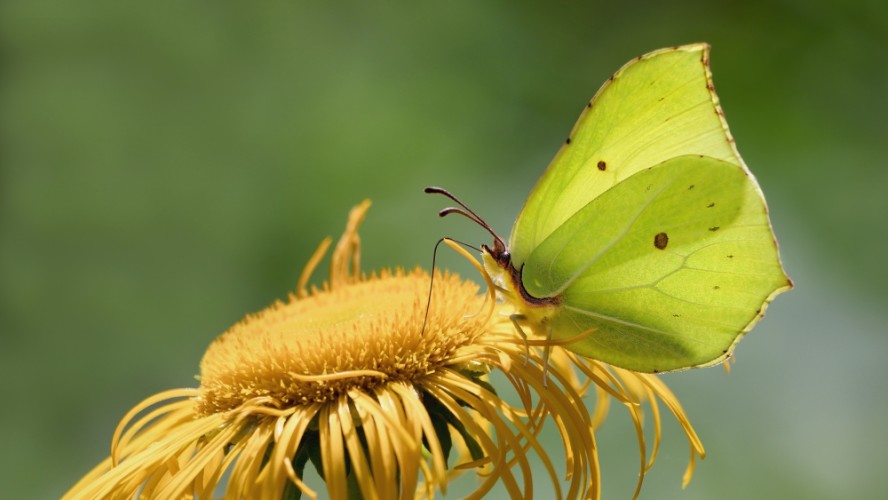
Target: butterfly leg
(546, 351)
(515, 321)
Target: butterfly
(646, 244)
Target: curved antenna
(467, 213)
(455, 210)
(432, 278)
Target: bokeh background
(168, 167)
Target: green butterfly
(647, 239)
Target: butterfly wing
(670, 267)
(658, 106)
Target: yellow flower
(384, 400)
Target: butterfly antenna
(465, 212)
(425, 319)
(432, 280)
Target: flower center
(356, 335)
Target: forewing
(658, 106)
(670, 267)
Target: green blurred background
(168, 167)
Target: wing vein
(606, 248)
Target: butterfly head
(499, 253)
(497, 261)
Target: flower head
(383, 397)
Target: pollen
(313, 349)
